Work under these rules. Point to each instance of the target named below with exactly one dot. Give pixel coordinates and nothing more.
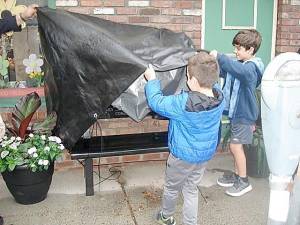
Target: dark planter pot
(257, 165)
(26, 186)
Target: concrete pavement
(133, 197)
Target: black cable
(113, 171)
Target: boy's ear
(251, 50)
(195, 81)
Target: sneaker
(227, 180)
(239, 188)
(165, 221)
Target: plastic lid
(289, 71)
(284, 67)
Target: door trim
(224, 27)
(274, 29)
(274, 32)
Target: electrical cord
(93, 132)
(113, 171)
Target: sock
(245, 179)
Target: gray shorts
(241, 133)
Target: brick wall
(288, 26)
(179, 16)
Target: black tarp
(90, 62)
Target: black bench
(115, 145)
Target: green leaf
(11, 166)
(52, 155)
(23, 112)
(46, 126)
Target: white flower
(31, 150)
(9, 141)
(18, 139)
(14, 146)
(58, 140)
(40, 162)
(5, 137)
(47, 149)
(33, 64)
(35, 155)
(12, 138)
(45, 162)
(62, 147)
(52, 138)
(3, 144)
(4, 154)
(43, 137)
(31, 135)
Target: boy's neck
(251, 57)
(205, 91)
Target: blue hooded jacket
(192, 135)
(242, 79)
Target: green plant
(257, 165)
(29, 144)
(36, 152)
(257, 148)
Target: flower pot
(26, 186)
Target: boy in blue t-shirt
(242, 76)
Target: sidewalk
(134, 198)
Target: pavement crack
(128, 203)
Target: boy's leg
(174, 180)
(238, 153)
(240, 134)
(190, 195)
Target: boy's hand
(29, 12)
(214, 53)
(150, 73)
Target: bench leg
(88, 173)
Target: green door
(224, 18)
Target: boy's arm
(223, 73)
(244, 72)
(9, 24)
(167, 106)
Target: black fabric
(91, 61)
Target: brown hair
(248, 39)
(204, 68)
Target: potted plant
(28, 152)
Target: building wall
(288, 26)
(179, 16)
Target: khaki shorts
(241, 133)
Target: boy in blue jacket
(242, 76)
(194, 118)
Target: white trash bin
(280, 113)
